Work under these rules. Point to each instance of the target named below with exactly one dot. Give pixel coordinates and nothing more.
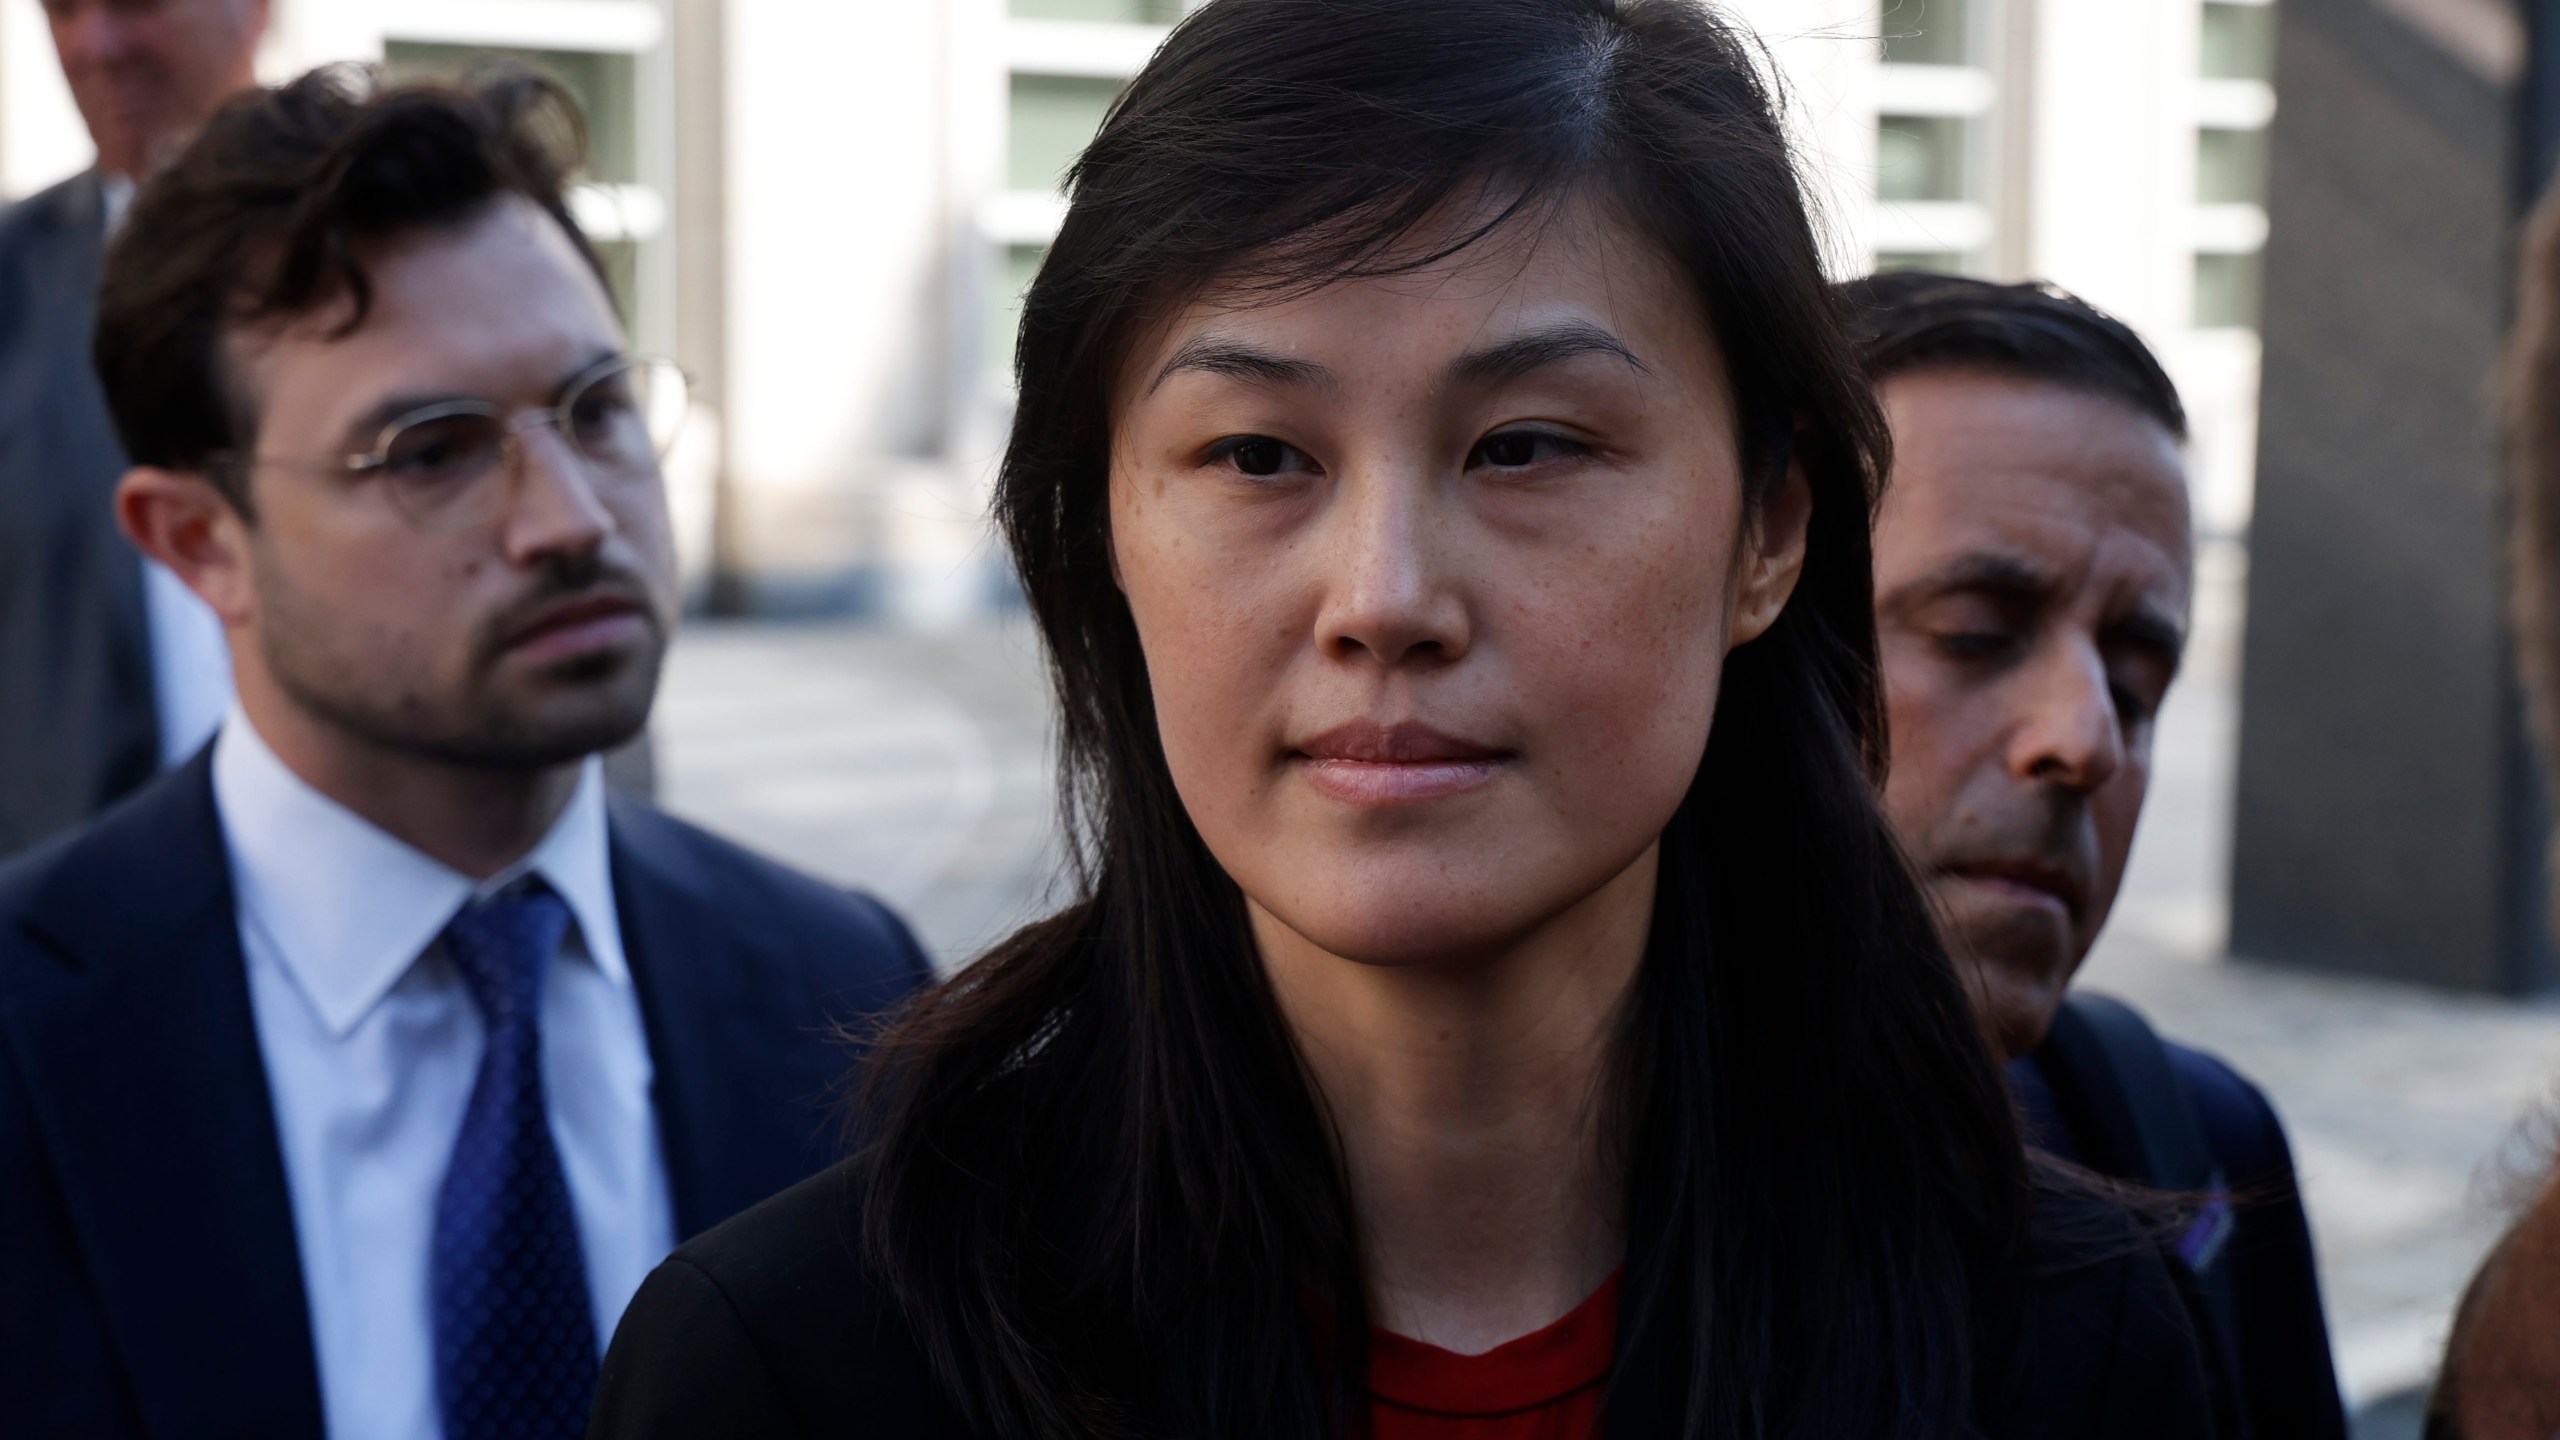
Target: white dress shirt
(190, 656)
(190, 663)
(371, 1046)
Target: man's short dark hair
(1908, 320)
(267, 215)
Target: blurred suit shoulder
(33, 232)
(132, 829)
(69, 196)
(48, 212)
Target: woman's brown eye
(1257, 456)
(1520, 449)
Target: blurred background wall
(826, 209)
(2388, 815)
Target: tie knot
(502, 945)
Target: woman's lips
(1371, 764)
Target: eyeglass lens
(445, 467)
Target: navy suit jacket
(2289, 1382)
(151, 1284)
(79, 725)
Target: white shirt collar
(115, 193)
(349, 908)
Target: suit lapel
(742, 1076)
(142, 1063)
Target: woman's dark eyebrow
(1239, 361)
(1508, 360)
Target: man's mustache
(2048, 832)
(562, 583)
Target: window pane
(622, 274)
(1014, 269)
(602, 83)
(1144, 12)
(1051, 119)
(2227, 292)
(1938, 262)
(1919, 157)
(1924, 32)
(2231, 167)
(2239, 42)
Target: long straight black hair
(1097, 1178)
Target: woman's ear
(180, 519)
(1772, 558)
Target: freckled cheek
(1218, 642)
(1626, 659)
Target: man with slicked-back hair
(2033, 563)
(353, 1073)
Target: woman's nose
(1391, 591)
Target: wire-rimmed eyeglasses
(453, 465)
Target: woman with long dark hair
(1495, 1006)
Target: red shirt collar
(1537, 1369)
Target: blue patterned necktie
(514, 1326)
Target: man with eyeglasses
(354, 1074)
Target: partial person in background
(2033, 568)
(110, 668)
(354, 1074)
(2501, 1374)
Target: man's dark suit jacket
(2289, 1384)
(78, 727)
(149, 1280)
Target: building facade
(828, 210)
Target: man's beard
(478, 729)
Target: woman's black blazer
(771, 1326)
